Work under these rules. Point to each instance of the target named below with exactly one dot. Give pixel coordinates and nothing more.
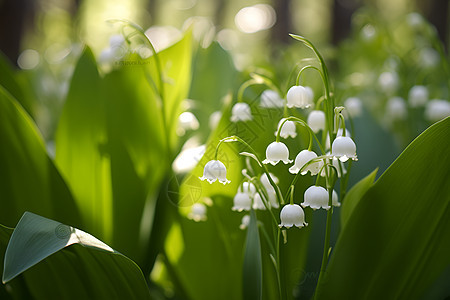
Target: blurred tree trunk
(342, 19)
(15, 17)
(437, 14)
(283, 26)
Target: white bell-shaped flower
(215, 170)
(316, 197)
(299, 96)
(340, 169)
(396, 108)
(428, 57)
(214, 119)
(288, 129)
(241, 112)
(265, 180)
(241, 201)
(437, 110)
(302, 159)
(272, 198)
(335, 199)
(271, 99)
(340, 132)
(275, 152)
(249, 188)
(187, 121)
(198, 212)
(344, 148)
(418, 96)
(245, 222)
(353, 105)
(388, 81)
(258, 202)
(292, 215)
(316, 120)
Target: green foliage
(354, 196)
(88, 270)
(395, 242)
(29, 180)
(252, 273)
(112, 127)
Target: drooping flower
(214, 119)
(292, 215)
(265, 180)
(343, 148)
(429, 58)
(388, 81)
(316, 120)
(241, 112)
(299, 96)
(316, 197)
(241, 201)
(302, 159)
(437, 110)
(271, 99)
(275, 152)
(187, 121)
(418, 96)
(215, 170)
(258, 202)
(249, 188)
(198, 212)
(396, 108)
(340, 168)
(335, 199)
(354, 106)
(245, 222)
(288, 129)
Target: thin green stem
(327, 239)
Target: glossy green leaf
(114, 129)
(29, 180)
(38, 250)
(252, 267)
(11, 81)
(395, 243)
(354, 195)
(35, 238)
(81, 153)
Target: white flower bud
(343, 148)
(215, 170)
(388, 81)
(299, 96)
(418, 96)
(316, 120)
(302, 159)
(316, 197)
(353, 106)
(198, 212)
(271, 99)
(437, 110)
(288, 129)
(396, 108)
(292, 215)
(241, 201)
(241, 112)
(275, 152)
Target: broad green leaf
(28, 177)
(81, 148)
(354, 195)
(88, 269)
(35, 238)
(11, 81)
(252, 267)
(114, 129)
(395, 242)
